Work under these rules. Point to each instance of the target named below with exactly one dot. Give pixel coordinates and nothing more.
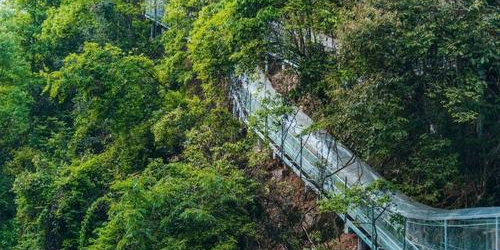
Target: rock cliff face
(290, 218)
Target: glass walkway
(327, 166)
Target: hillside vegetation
(113, 139)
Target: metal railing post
(497, 233)
(282, 142)
(300, 153)
(374, 243)
(404, 234)
(155, 17)
(446, 235)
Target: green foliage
(92, 173)
(210, 60)
(309, 16)
(224, 36)
(15, 104)
(376, 195)
(207, 144)
(177, 206)
(170, 130)
(73, 22)
(175, 69)
(302, 23)
(32, 187)
(111, 93)
(14, 75)
(105, 143)
(14, 116)
(13, 66)
(412, 89)
(269, 118)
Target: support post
(374, 228)
(445, 235)
(404, 234)
(155, 19)
(283, 137)
(300, 159)
(497, 233)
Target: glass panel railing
(406, 225)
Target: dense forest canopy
(113, 139)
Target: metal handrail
(425, 227)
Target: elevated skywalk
(314, 156)
(328, 167)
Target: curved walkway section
(327, 165)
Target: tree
(178, 206)
(111, 93)
(373, 201)
(15, 104)
(14, 77)
(57, 28)
(412, 89)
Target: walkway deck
(328, 166)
